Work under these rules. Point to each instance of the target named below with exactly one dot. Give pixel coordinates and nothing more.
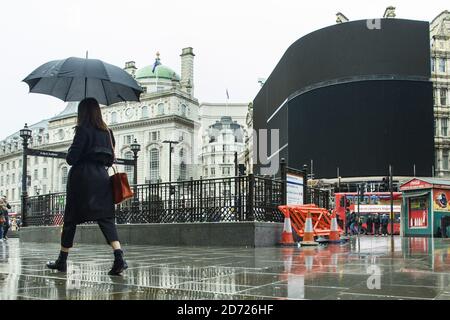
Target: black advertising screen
(345, 80)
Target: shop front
(425, 209)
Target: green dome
(161, 71)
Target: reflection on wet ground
(372, 268)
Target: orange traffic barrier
(321, 221)
(308, 234)
(286, 237)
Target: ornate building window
(432, 64)
(154, 165)
(144, 112)
(442, 67)
(160, 109)
(114, 117)
(444, 123)
(129, 169)
(443, 97)
(445, 159)
(154, 136)
(60, 134)
(64, 172)
(128, 139)
(183, 110)
(183, 171)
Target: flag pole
(226, 105)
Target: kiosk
(426, 208)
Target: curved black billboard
(353, 97)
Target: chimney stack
(341, 18)
(389, 12)
(187, 70)
(130, 67)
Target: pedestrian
(384, 225)
(369, 224)
(347, 221)
(7, 224)
(3, 213)
(376, 222)
(339, 221)
(353, 223)
(89, 190)
(18, 223)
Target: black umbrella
(74, 79)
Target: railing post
(251, 197)
(201, 197)
(191, 200)
(25, 138)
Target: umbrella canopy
(74, 79)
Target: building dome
(162, 72)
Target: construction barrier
(320, 218)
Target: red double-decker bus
(372, 203)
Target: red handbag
(119, 182)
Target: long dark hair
(89, 114)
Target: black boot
(60, 264)
(119, 263)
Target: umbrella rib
(68, 89)
(104, 90)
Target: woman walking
(3, 214)
(89, 191)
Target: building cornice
(154, 121)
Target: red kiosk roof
(425, 183)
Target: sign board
(441, 200)
(295, 188)
(368, 208)
(416, 184)
(63, 155)
(45, 153)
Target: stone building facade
(167, 111)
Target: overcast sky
(235, 41)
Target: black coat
(89, 192)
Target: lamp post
(170, 142)
(25, 134)
(135, 148)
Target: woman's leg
(67, 236)
(109, 230)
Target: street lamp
(135, 148)
(170, 156)
(25, 134)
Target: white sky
(235, 41)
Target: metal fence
(319, 197)
(243, 198)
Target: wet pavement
(373, 268)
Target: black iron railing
(243, 198)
